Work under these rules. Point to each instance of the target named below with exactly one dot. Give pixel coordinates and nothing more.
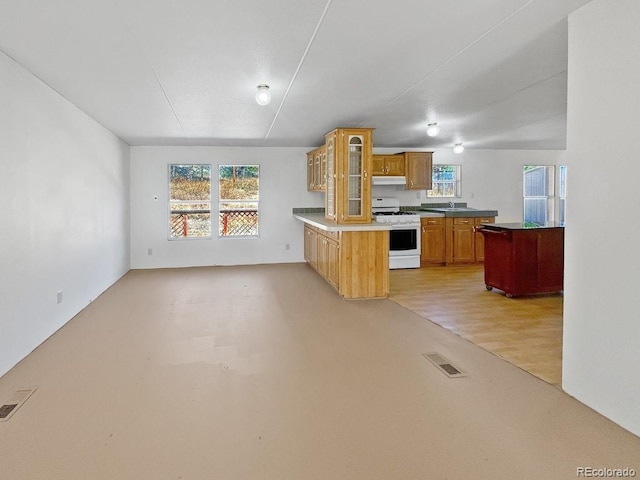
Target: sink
(461, 211)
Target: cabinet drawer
(462, 221)
(334, 235)
(480, 220)
(432, 221)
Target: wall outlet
(59, 296)
(149, 251)
(287, 246)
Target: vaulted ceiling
(492, 73)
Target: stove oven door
(404, 240)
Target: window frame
(562, 194)
(171, 202)
(457, 182)
(222, 201)
(549, 196)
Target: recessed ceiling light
(263, 96)
(458, 148)
(433, 129)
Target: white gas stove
(404, 237)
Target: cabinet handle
(365, 174)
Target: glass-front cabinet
(349, 157)
(330, 196)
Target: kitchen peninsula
(354, 259)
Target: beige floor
(262, 372)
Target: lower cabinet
(328, 246)
(464, 244)
(432, 239)
(311, 246)
(463, 247)
(355, 263)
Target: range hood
(388, 180)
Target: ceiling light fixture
(458, 148)
(263, 96)
(433, 129)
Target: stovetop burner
(394, 213)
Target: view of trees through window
(189, 201)
(445, 181)
(238, 200)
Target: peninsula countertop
(319, 221)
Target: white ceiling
(492, 73)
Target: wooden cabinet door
(311, 246)
(330, 205)
(379, 165)
(310, 185)
(432, 241)
(418, 170)
(322, 255)
(353, 160)
(480, 237)
(463, 241)
(323, 169)
(395, 165)
(333, 262)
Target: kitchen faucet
(452, 205)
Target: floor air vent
(8, 408)
(444, 365)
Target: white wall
(282, 187)
(601, 350)
(65, 225)
(491, 179)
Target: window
(445, 181)
(189, 201)
(238, 216)
(563, 194)
(538, 191)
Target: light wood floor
(526, 331)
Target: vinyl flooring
(263, 373)
(526, 331)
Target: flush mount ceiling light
(458, 148)
(263, 96)
(433, 129)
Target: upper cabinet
(350, 159)
(330, 197)
(391, 165)
(317, 169)
(417, 168)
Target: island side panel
(364, 264)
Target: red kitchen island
(523, 258)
